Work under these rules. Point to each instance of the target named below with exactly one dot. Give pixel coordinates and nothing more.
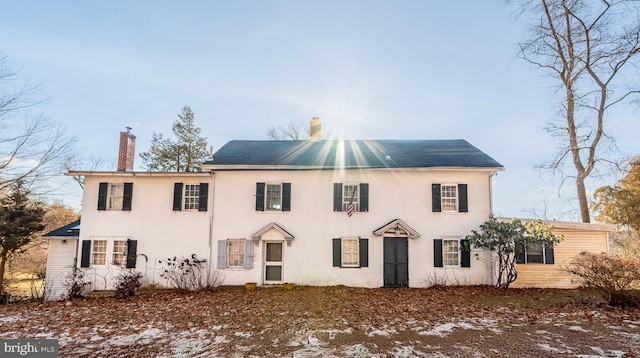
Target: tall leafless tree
(291, 131)
(590, 48)
(33, 147)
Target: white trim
(273, 263)
(569, 225)
(231, 167)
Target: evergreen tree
(184, 154)
(20, 219)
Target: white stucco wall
(161, 233)
(393, 194)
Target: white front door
(273, 263)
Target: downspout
(213, 207)
(75, 256)
(491, 192)
(494, 277)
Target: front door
(396, 262)
(273, 263)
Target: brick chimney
(315, 132)
(127, 151)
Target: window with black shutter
(449, 198)
(273, 196)
(355, 195)
(536, 253)
(451, 252)
(350, 252)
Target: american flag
(351, 207)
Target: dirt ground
(333, 322)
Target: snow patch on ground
(579, 329)
(10, 319)
(441, 330)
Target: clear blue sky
(369, 69)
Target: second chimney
(127, 151)
(315, 132)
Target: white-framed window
(191, 196)
(350, 252)
(449, 197)
(450, 252)
(235, 253)
(116, 196)
(99, 252)
(538, 252)
(350, 191)
(119, 256)
(273, 197)
(535, 253)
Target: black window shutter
(337, 252)
(337, 196)
(259, 196)
(363, 247)
(286, 196)
(463, 205)
(102, 196)
(364, 197)
(465, 252)
(132, 253)
(548, 254)
(85, 259)
(437, 253)
(203, 199)
(435, 198)
(177, 196)
(127, 196)
(520, 253)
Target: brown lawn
(333, 322)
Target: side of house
(282, 212)
(61, 253)
(538, 267)
(135, 220)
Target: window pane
(347, 192)
(274, 197)
(274, 252)
(274, 273)
(350, 252)
(191, 196)
(450, 252)
(119, 252)
(236, 253)
(99, 252)
(535, 253)
(449, 198)
(115, 196)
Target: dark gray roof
(68, 230)
(353, 154)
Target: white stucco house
(368, 213)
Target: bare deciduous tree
(33, 147)
(291, 131)
(590, 48)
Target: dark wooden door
(396, 262)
